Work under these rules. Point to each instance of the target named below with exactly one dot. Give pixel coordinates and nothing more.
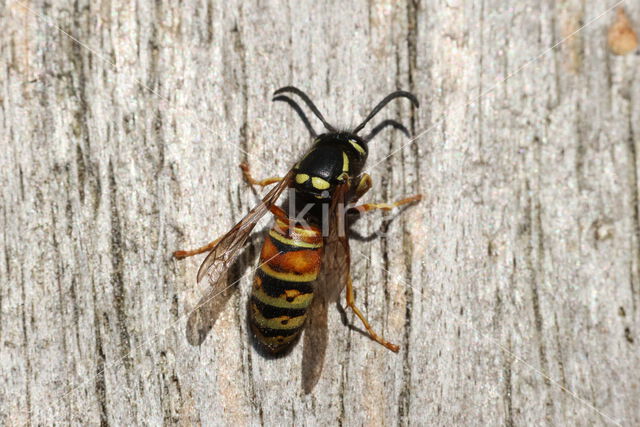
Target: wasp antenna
(398, 94)
(309, 103)
(376, 130)
(298, 110)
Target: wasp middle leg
(365, 185)
(387, 206)
(246, 172)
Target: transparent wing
(228, 248)
(213, 272)
(333, 278)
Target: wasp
(305, 258)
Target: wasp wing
(228, 248)
(213, 270)
(335, 271)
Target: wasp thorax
(334, 158)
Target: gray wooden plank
(512, 287)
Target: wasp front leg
(260, 182)
(365, 185)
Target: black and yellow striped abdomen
(283, 284)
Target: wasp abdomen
(283, 285)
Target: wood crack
(635, 204)
(100, 382)
(508, 386)
(25, 347)
(117, 275)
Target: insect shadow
(202, 319)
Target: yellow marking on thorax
(319, 183)
(289, 277)
(301, 178)
(345, 162)
(356, 146)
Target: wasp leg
(260, 182)
(387, 206)
(279, 213)
(364, 185)
(206, 248)
(372, 334)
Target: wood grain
(513, 288)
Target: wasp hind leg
(379, 339)
(192, 252)
(246, 172)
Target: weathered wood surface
(513, 288)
